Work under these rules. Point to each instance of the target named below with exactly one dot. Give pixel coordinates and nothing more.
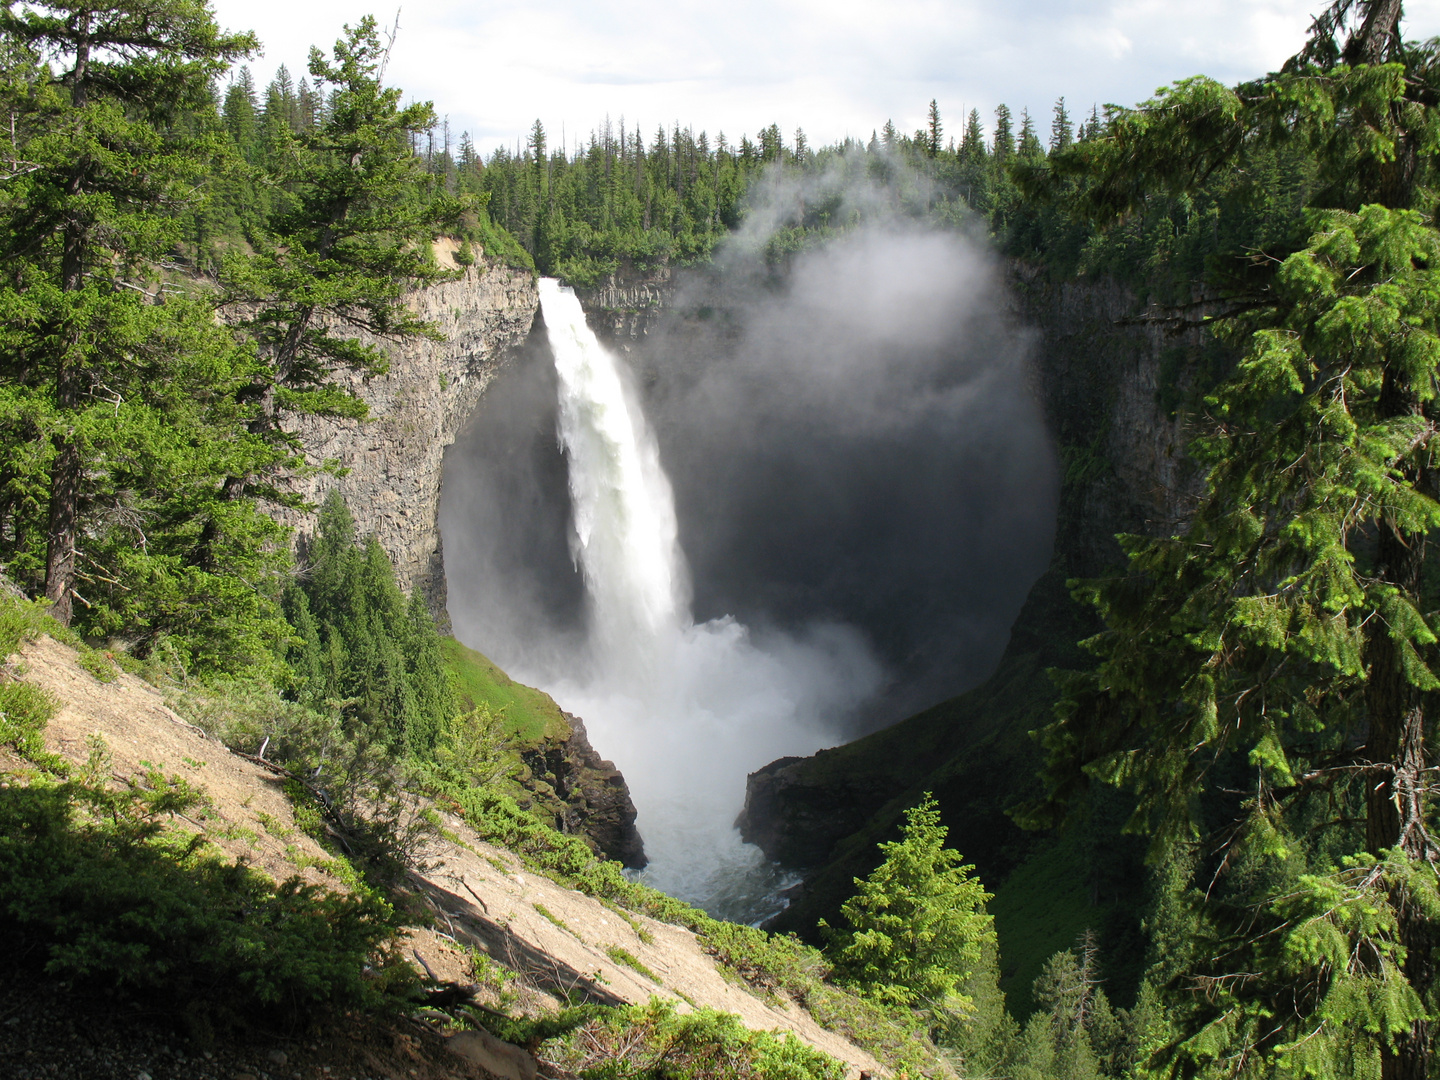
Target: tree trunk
(1377, 32)
(1395, 750)
(68, 468)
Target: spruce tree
(1004, 145)
(1267, 675)
(1062, 132)
(351, 235)
(917, 924)
(119, 383)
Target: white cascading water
(685, 710)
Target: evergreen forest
(1242, 707)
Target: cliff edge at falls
(392, 460)
(476, 909)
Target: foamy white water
(684, 710)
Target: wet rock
(585, 794)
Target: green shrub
(93, 886)
(655, 1041)
(628, 959)
(98, 664)
(24, 712)
(24, 620)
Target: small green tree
(918, 924)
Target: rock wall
(1110, 380)
(392, 462)
(627, 304)
(584, 794)
(393, 458)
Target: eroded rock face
(623, 307)
(394, 459)
(585, 794)
(394, 456)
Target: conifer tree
(1004, 133)
(917, 924)
(351, 236)
(1062, 132)
(361, 644)
(973, 144)
(1267, 675)
(93, 365)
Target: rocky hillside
(482, 917)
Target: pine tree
(361, 643)
(934, 130)
(351, 237)
(1062, 132)
(917, 924)
(1029, 148)
(1266, 672)
(1004, 145)
(114, 392)
(972, 146)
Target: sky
(835, 68)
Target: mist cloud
(852, 441)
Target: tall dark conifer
(88, 354)
(1268, 675)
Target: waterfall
(624, 513)
(685, 710)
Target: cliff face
(394, 457)
(585, 794)
(624, 307)
(393, 461)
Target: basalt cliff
(388, 467)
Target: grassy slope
(531, 715)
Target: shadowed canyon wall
(393, 458)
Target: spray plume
(844, 448)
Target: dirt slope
(482, 895)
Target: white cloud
(837, 68)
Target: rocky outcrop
(392, 459)
(627, 303)
(796, 816)
(585, 794)
(390, 476)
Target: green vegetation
(361, 643)
(93, 885)
(530, 715)
(1265, 671)
(628, 959)
(549, 917)
(655, 1040)
(186, 274)
(918, 924)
